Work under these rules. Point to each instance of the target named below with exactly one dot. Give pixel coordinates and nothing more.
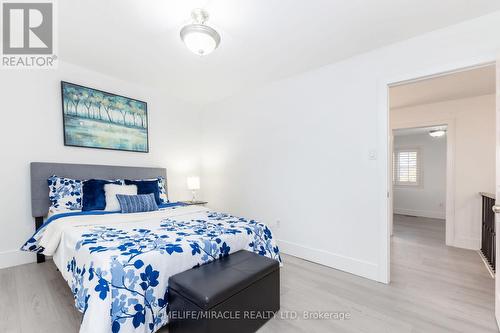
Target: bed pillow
(110, 192)
(137, 203)
(94, 197)
(65, 193)
(162, 188)
(146, 187)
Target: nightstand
(194, 203)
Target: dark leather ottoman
(238, 293)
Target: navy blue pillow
(146, 187)
(137, 203)
(94, 197)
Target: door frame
(497, 189)
(383, 145)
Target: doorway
(419, 181)
(462, 105)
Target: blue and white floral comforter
(118, 265)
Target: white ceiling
(262, 40)
(465, 84)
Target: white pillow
(111, 190)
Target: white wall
(298, 149)
(474, 157)
(295, 150)
(31, 130)
(428, 199)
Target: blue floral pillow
(163, 190)
(65, 193)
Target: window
(406, 167)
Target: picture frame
(94, 118)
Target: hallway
(447, 280)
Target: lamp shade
(193, 183)
(200, 39)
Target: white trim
(497, 187)
(486, 264)
(467, 243)
(15, 258)
(385, 182)
(497, 312)
(497, 317)
(421, 213)
(350, 265)
(385, 194)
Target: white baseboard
(486, 264)
(351, 265)
(467, 243)
(421, 213)
(16, 258)
(497, 309)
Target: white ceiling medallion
(199, 37)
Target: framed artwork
(97, 119)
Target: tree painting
(97, 119)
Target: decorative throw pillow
(94, 197)
(111, 190)
(146, 187)
(65, 193)
(163, 190)
(137, 203)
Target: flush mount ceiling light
(199, 37)
(437, 133)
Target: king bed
(118, 264)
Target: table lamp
(193, 184)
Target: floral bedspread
(118, 265)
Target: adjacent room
(249, 166)
(419, 172)
(443, 184)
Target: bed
(118, 265)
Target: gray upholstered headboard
(41, 171)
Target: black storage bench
(237, 293)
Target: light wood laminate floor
(434, 288)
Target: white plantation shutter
(406, 167)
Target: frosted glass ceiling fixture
(199, 37)
(437, 133)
